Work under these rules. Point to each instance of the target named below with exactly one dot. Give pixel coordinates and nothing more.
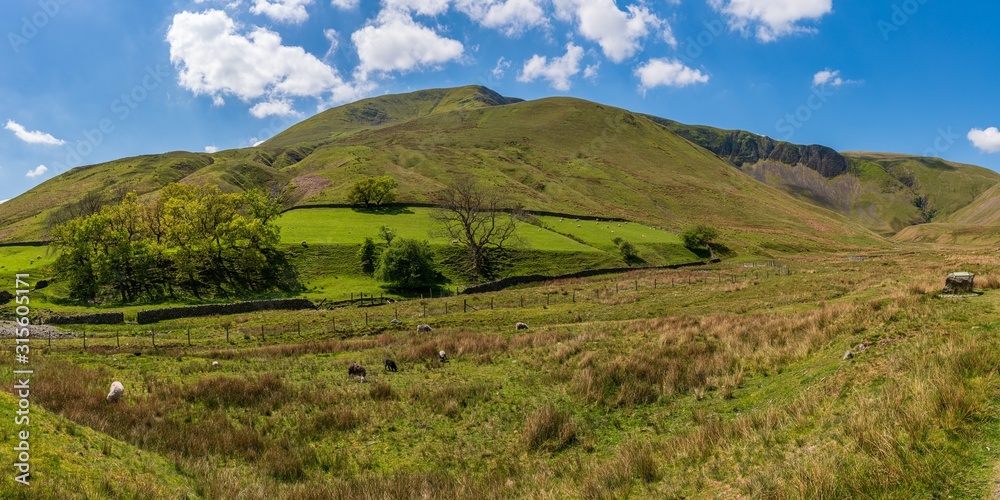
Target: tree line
(189, 241)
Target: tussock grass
(549, 429)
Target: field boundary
(500, 284)
(155, 315)
(536, 213)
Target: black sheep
(390, 365)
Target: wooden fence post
(118, 341)
(189, 336)
(491, 303)
(465, 305)
(84, 339)
(152, 335)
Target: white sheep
(442, 356)
(117, 389)
(215, 364)
(520, 326)
(423, 328)
(396, 321)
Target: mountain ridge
(572, 156)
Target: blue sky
(86, 81)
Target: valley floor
(730, 382)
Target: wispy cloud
(32, 137)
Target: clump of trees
(373, 191)
(192, 240)
(700, 235)
(481, 219)
(407, 263)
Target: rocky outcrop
(740, 147)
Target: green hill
(884, 192)
(559, 154)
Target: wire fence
(369, 314)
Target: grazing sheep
(215, 364)
(390, 366)
(356, 370)
(115, 394)
(423, 328)
(442, 357)
(396, 321)
(520, 326)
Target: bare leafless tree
(481, 218)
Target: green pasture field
(700, 383)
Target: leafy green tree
(700, 235)
(373, 191)
(407, 264)
(387, 233)
(627, 250)
(368, 256)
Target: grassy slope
(383, 111)
(704, 391)
(879, 189)
(578, 157)
(69, 459)
(23, 218)
(947, 186)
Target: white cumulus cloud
(772, 19)
(37, 171)
(422, 7)
(398, 43)
(215, 58)
(345, 4)
(557, 72)
(987, 141)
(211, 149)
(666, 72)
(512, 17)
(282, 11)
(32, 137)
(277, 107)
(618, 32)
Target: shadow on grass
(386, 210)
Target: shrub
(407, 264)
(367, 256)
